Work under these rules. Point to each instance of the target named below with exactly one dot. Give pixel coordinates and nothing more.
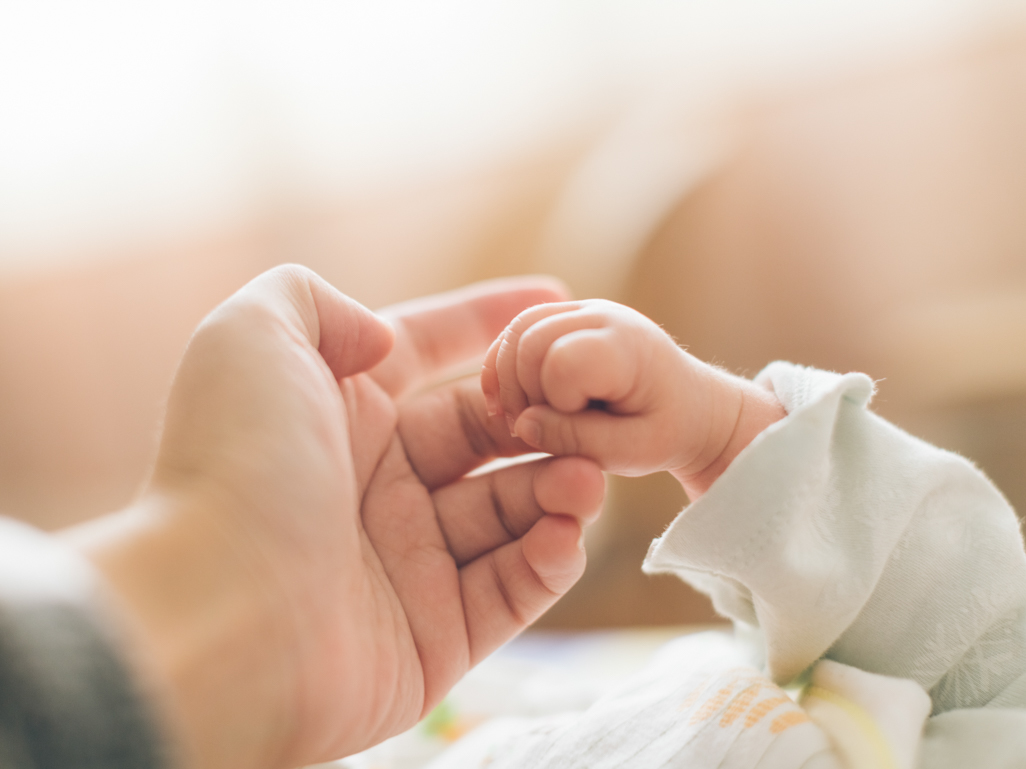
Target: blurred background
(840, 184)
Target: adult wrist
(200, 629)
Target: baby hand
(601, 380)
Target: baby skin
(597, 379)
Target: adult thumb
(348, 336)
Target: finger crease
(570, 441)
(480, 441)
(428, 348)
(500, 510)
(506, 597)
(458, 557)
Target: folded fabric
(699, 704)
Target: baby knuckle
(569, 438)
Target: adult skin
(309, 570)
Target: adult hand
(310, 569)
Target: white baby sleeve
(842, 542)
(838, 535)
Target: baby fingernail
(491, 404)
(490, 389)
(529, 431)
(510, 422)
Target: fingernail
(510, 422)
(490, 389)
(491, 404)
(529, 431)
(580, 541)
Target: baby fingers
(622, 444)
(586, 366)
(547, 356)
(500, 381)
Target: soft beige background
(841, 187)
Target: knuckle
(521, 323)
(243, 310)
(505, 360)
(292, 271)
(604, 305)
(563, 358)
(429, 348)
(293, 279)
(569, 437)
(479, 438)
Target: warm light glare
(122, 117)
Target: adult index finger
(440, 332)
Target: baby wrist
(740, 410)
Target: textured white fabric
(837, 535)
(873, 721)
(699, 704)
(844, 549)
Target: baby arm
(601, 380)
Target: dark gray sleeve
(67, 698)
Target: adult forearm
(202, 631)
(68, 695)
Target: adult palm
(348, 568)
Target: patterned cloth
(699, 703)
